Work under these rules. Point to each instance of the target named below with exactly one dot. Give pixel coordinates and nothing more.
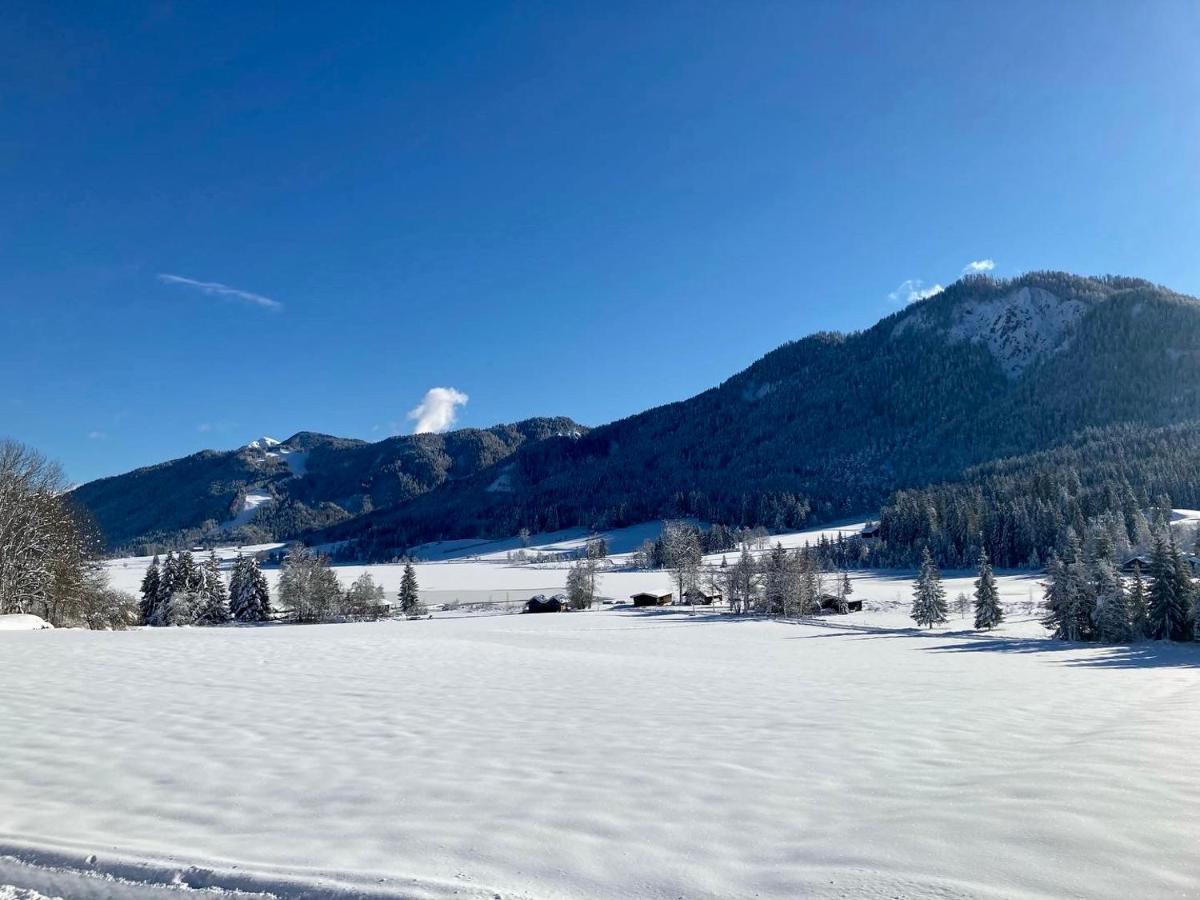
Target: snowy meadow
(611, 752)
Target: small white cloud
(204, 427)
(216, 289)
(913, 289)
(438, 411)
(97, 435)
(979, 265)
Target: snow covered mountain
(819, 428)
(271, 489)
(832, 424)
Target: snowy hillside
(1017, 328)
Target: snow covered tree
(580, 594)
(929, 596)
(783, 579)
(148, 605)
(740, 583)
(1170, 592)
(1111, 613)
(988, 612)
(961, 602)
(409, 598)
(213, 607)
(1070, 596)
(682, 554)
(309, 587)
(364, 599)
(1135, 601)
(249, 597)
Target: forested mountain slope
(833, 424)
(273, 490)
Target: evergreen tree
(167, 582)
(250, 600)
(1111, 614)
(988, 612)
(410, 600)
(1135, 601)
(929, 597)
(213, 607)
(1169, 595)
(150, 592)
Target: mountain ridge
(820, 427)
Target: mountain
(824, 427)
(272, 489)
(833, 424)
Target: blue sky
(582, 209)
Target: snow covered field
(611, 753)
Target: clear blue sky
(582, 209)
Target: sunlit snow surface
(612, 753)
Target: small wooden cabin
(702, 598)
(645, 599)
(1137, 562)
(870, 530)
(829, 604)
(543, 604)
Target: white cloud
(913, 289)
(216, 289)
(97, 435)
(979, 265)
(438, 411)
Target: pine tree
(1170, 591)
(214, 598)
(1135, 601)
(1111, 614)
(988, 612)
(249, 598)
(410, 600)
(929, 597)
(150, 592)
(167, 581)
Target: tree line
(180, 591)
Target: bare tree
(682, 554)
(47, 549)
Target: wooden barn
(1137, 562)
(870, 530)
(544, 604)
(829, 604)
(698, 597)
(645, 599)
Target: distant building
(829, 604)
(544, 604)
(870, 530)
(651, 599)
(696, 597)
(1136, 562)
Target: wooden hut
(645, 599)
(829, 604)
(544, 604)
(698, 597)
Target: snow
(23, 622)
(263, 443)
(1017, 328)
(615, 753)
(250, 505)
